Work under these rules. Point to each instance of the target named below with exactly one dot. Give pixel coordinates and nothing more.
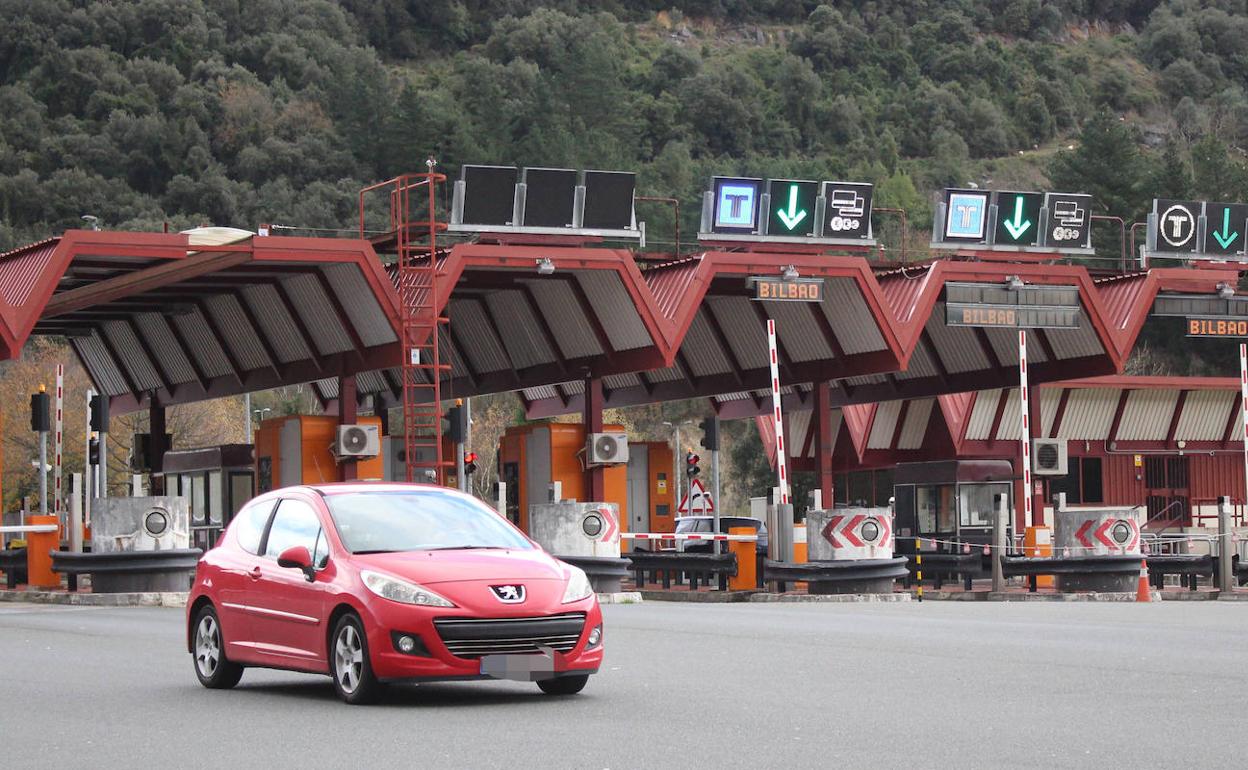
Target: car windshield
(693, 525)
(418, 520)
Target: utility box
(299, 449)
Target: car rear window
(248, 525)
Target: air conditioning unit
(1048, 457)
(607, 448)
(358, 441)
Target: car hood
(433, 567)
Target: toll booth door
(638, 500)
(1167, 490)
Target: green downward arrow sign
(791, 218)
(1226, 237)
(1019, 226)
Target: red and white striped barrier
(687, 536)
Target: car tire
(350, 664)
(564, 685)
(212, 668)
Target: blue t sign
(966, 212)
(736, 205)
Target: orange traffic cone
(1142, 592)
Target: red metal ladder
(421, 369)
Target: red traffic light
(692, 459)
(470, 457)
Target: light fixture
(1225, 290)
(1014, 283)
(1182, 444)
(790, 272)
(545, 266)
(92, 221)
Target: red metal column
(1037, 426)
(156, 423)
(347, 404)
(595, 477)
(823, 442)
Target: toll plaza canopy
(161, 318)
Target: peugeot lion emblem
(508, 594)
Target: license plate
(519, 668)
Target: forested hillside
(142, 112)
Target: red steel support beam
(1061, 412)
(595, 476)
(1122, 407)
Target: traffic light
(93, 451)
(99, 413)
(40, 420)
(710, 434)
(691, 465)
(470, 463)
(458, 429)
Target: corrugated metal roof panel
(203, 345)
(741, 326)
(100, 366)
(328, 387)
(885, 424)
(1005, 344)
(669, 374)
(544, 391)
(155, 330)
(798, 332)
(472, 329)
(314, 308)
(142, 369)
(979, 426)
(867, 379)
(360, 304)
(1119, 295)
(615, 307)
(914, 429)
(901, 289)
(956, 346)
(799, 426)
(1011, 428)
(1147, 415)
(522, 334)
(278, 328)
(1089, 414)
(701, 349)
(573, 332)
(921, 365)
(1075, 343)
(239, 334)
(617, 381)
(856, 328)
(1204, 415)
(670, 283)
(1049, 399)
(573, 387)
(20, 270)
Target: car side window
(249, 525)
(294, 524)
(320, 555)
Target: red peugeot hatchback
(376, 583)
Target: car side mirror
(297, 557)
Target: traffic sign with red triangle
(702, 500)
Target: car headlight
(578, 586)
(398, 590)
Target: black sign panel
(1176, 226)
(848, 209)
(1225, 228)
(1070, 221)
(792, 210)
(489, 194)
(1018, 218)
(1024, 306)
(550, 197)
(788, 289)
(609, 200)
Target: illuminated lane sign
(966, 215)
(1029, 306)
(1018, 218)
(1224, 234)
(792, 208)
(788, 289)
(848, 210)
(1217, 327)
(1070, 221)
(736, 205)
(1175, 226)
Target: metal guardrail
(13, 562)
(1094, 564)
(123, 562)
(699, 566)
(844, 571)
(599, 567)
(938, 565)
(1189, 566)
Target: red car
(377, 583)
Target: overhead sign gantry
(794, 211)
(1014, 221)
(1196, 230)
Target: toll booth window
(935, 506)
(977, 504)
(1083, 483)
(883, 486)
(214, 497)
(250, 526)
(841, 493)
(240, 491)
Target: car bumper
(433, 661)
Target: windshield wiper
(466, 548)
(375, 550)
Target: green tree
(1106, 164)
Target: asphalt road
(753, 686)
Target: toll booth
(951, 501)
(216, 482)
(301, 449)
(651, 489)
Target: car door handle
(255, 573)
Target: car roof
(348, 487)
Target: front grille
(474, 637)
